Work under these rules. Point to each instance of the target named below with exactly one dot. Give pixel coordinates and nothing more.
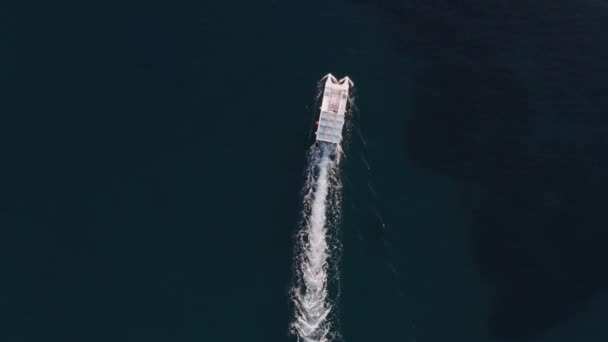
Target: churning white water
(321, 213)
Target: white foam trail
(321, 212)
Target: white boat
(333, 108)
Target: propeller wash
(317, 246)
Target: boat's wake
(317, 246)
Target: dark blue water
(153, 156)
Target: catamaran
(333, 108)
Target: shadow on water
(509, 100)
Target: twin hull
(333, 108)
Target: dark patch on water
(509, 97)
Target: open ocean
(154, 155)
